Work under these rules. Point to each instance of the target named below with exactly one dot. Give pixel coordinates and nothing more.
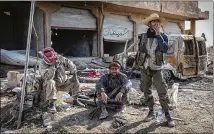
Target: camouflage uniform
(108, 83)
(54, 78)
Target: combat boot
(170, 121)
(104, 113)
(150, 116)
(52, 106)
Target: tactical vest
(142, 53)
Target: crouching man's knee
(50, 89)
(75, 88)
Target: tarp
(15, 58)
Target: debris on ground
(4, 86)
(119, 122)
(72, 114)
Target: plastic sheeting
(15, 58)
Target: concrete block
(12, 79)
(19, 78)
(108, 59)
(106, 55)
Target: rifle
(109, 101)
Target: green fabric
(147, 77)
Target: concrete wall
(172, 11)
(150, 5)
(39, 26)
(185, 9)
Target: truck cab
(186, 57)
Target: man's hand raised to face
(157, 28)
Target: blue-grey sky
(204, 26)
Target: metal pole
(26, 62)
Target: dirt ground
(192, 115)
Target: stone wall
(150, 5)
(187, 9)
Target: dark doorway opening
(14, 18)
(113, 48)
(73, 43)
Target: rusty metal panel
(202, 65)
(73, 18)
(172, 60)
(117, 28)
(188, 65)
(202, 56)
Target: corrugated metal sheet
(73, 18)
(172, 28)
(117, 28)
(142, 28)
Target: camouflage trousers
(71, 86)
(124, 99)
(149, 77)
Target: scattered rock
(118, 122)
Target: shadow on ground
(81, 119)
(151, 128)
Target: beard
(114, 74)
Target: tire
(167, 75)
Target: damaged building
(90, 29)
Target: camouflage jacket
(107, 82)
(58, 74)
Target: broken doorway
(73, 43)
(74, 32)
(14, 18)
(113, 48)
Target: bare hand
(157, 28)
(118, 97)
(104, 97)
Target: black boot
(170, 121)
(52, 106)
(150, 116)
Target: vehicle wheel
(167, 75)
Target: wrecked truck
(185, 58)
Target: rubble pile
(199, 83)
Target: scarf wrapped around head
(49, 56)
